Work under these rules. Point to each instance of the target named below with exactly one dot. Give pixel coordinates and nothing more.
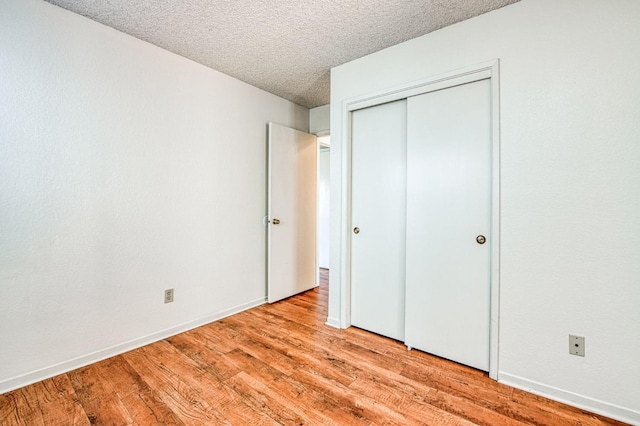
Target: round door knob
(480, 239)
(275, 221)
(356, 230)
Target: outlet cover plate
(576, 345)
(168, 295)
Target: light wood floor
(279, 364)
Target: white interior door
(291, 212)
(448, 206)
(378, 216)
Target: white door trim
(461, 76)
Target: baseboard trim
(26, 379)
(333, 322)
(580, 401)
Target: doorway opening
(324, 213)
(324, 201)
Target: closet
(421, 206)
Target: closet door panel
(448, 207)
(378, 188)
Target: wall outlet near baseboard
(168, 295)
(576, 345)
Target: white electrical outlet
(576, 345)
(168, 295)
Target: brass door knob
(356, 230)
(275, 221)
(480, 239)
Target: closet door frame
(465, 75)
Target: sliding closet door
(448, 223)
(378, 188)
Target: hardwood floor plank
(207, 359)
(417, 400)
(360, 405)
(50, 402)
(59, 404)
(269, 352)
(141, 403)
(290, 394)
(485, 394)
(202, 386)
(258, 396)
(339, 406)
(26, 410)
(311, 356)
(151, 362)
(215, 336)
(9, 412)
(97, 396)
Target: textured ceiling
(285, 47)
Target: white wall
(319, 120)
(125, 170)
(324, 207)
(570, 205)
